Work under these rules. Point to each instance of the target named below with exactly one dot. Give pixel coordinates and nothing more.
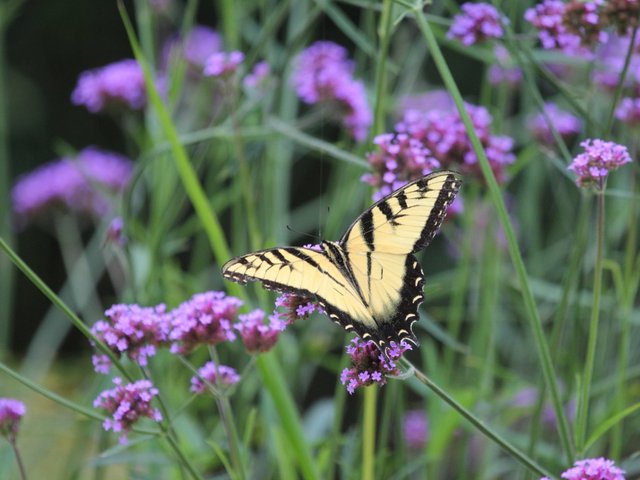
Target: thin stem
(369, 433)
(477, 423)
(384, 32)
(583, 410)
(516, 257)
(16, 452)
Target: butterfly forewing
(406, 220)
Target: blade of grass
(496, 196)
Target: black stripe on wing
(439, 211)
(397, 328)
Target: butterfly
(369, 281)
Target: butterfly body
(369, 282)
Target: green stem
(583, 408)
(228, 12)
(16, 452)
(496, 196)
(53, 298)
(384, 32)
(478, 424)
(369, 433)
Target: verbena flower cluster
(427, 139)
(223, 64)
(415, 427)
(81, 184)
(256, 335)
(117, 85)
(324, 73)
(127, 403)
(11, 413)
(196, 47)
(296, 307)
(593, 469)
(369, 364)
(219, 376)
(503, 71)
(566, 124)
(206, 319)
(133, 331)
(599, 158)
(477, 22)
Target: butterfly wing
(304, 272)
(379, 246)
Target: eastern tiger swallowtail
(369, 282)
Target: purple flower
(258, 76)
(256, 335)
(195, 48)
(115, 85)
(370, 365)
(296, 307)
(79, 184)
(444, 135)
(398, 160)
(11, 412)
(131, 330)
(593, 469)
(416, 429)
(205, 319)
(503, 71)
(610, 60)
(629, 111)
(126, 404)
(323, 73)
(216, 375)
(223, 64)
(476, 23)
(599, 158)
(548, 18)
(566, 124)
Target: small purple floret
(257, 335)
(216, 375)
(476, 23)
(11, 412)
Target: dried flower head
(127, 404)
(205, 319)
(11, 412)
(257, 335)
(131, 330)
(622, 14)
(477, 22)
(323, 73)
(599, 158)
(219, 376)
(370, 365)
(117, 85)
(582, 18)
(565, 124)
(82, 185)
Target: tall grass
(528, 358)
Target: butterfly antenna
(316, 239)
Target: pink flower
(127, 404)
(593, 469)
(223, 64)
(599, 158)
(476, 23)
(216, 375)
(256, 335)
(11, 412)
(115, 85)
